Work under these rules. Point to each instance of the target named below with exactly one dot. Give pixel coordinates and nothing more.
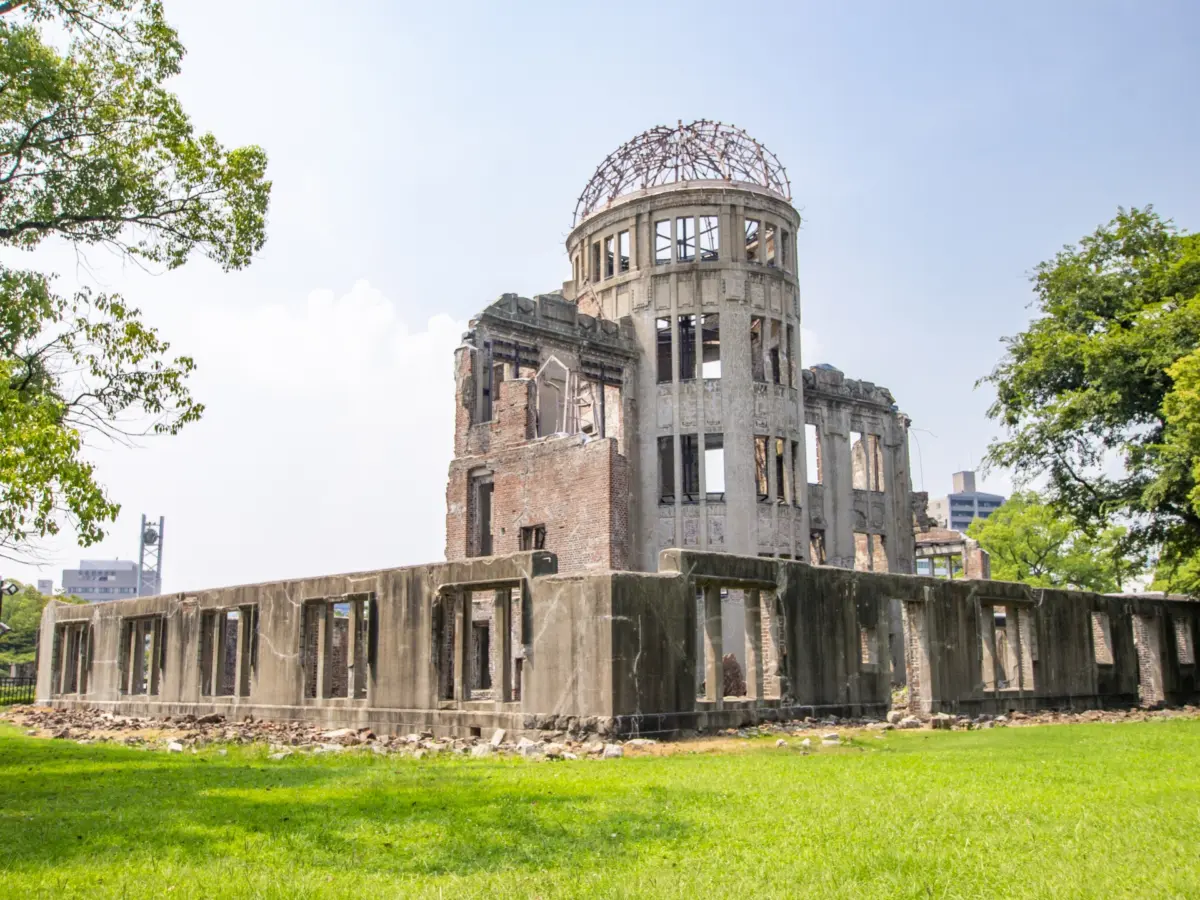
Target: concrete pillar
(714, 670)
(155, 628)
(987, 634)
(502, 646)
(324, 650)
(462, 643)
(754, 667)
(245, 638)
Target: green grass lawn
(1078, 810)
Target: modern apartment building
(957, 510)
(102, 579)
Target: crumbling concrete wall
(614, 652)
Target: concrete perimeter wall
(507, 642)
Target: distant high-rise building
(101, 579)
(45, 586)
(957, 510)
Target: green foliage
(1032, 543)
(95, 150)
(22, 612)
(1083, 392)
(1071, 811)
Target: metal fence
(17, 690)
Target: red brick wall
(579, 491)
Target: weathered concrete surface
(610, 652)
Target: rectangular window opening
(785, 249)
(816, 547)
(761, 481)
(790, 350)
(858, 462)
(769, 239)
(1185, 649)
(774, 351)
(666, 470)
(752, 236)
(868, 640)
(595, 273)
(714, 467)
(609, 256)
(687, 347)
(783, 484)
(862, 552)
(710, 243)
(689, 446)
(623, 251)
(1102, 639)
(757, 368)
(685, 239)
(533, 537)
(797, 499)
(663, 328)
(875, 463)
(662, 241)
(812, 454)
(711, 345)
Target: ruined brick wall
(577, 488)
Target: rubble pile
(189, 732)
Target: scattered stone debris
(283, 739)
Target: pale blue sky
(937, 152)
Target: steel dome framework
(699, 151)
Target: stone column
(714, 670)
(754, 667)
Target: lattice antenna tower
(150, 557)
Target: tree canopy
(95, 150)
(22, 612)
(1098, 395)
(1030, 542)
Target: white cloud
(323, 448)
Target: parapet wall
(506, 642)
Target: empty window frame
(662, 241)
(816, 547)
(757, 368)
(1185, 649)
(776, 352)
(338, 640)
(859, 479)
(143, 654)
(790, 348)
(797, 497)
(761, 479)
(624, 258)
(753, 229)
(533, 537)
(687, 347)
(714, 467)
(689, 449)
(479, 508)
(1102, 645)
(710, 342)
(874, 463)
(662, 327)
(812, 453)
(685, 239)
(228, 651)
(710, 239)
(769, 232)
(71, 658)
(595, 272)
(783, 481)
(609, 256)
(785, 248)
(666, 470)
(868, 642)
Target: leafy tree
(94, 150)
(1086, 393)
(1032, 543)
(22, 612)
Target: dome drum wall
(706, 273)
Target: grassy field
(1079, 810)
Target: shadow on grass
(64, 803)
